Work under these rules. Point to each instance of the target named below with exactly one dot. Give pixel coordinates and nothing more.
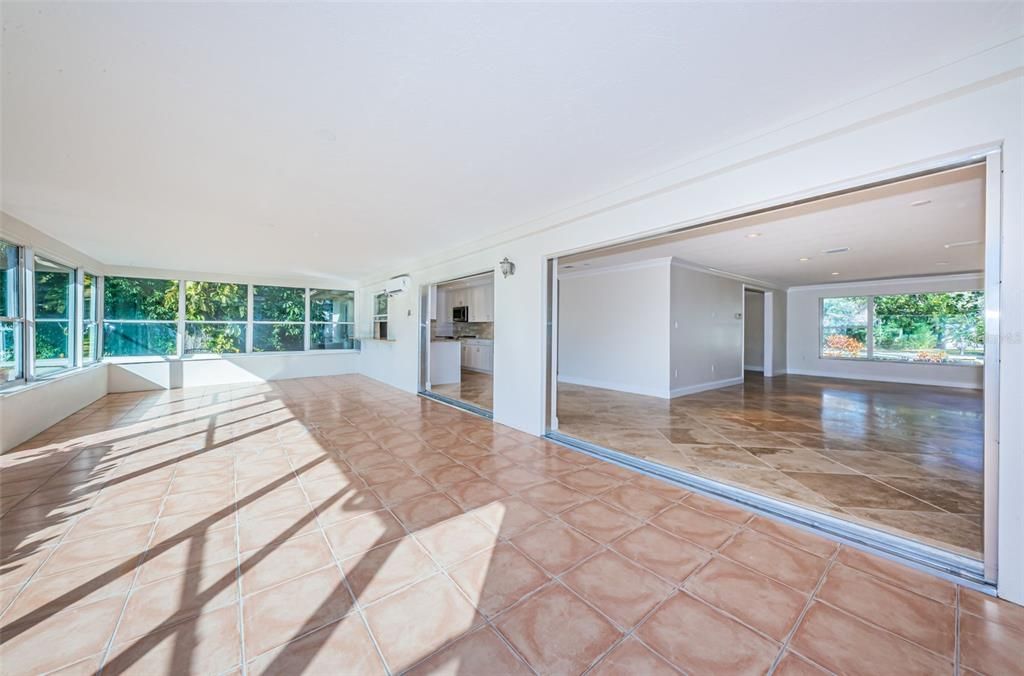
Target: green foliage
(153, 300)
(928, 320)
(278, 304)
(212, 301)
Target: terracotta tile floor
(905, 458)
(336, 525)
(476, 388)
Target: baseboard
(759, 369)
(617, 387)
(931, 382)
(704, 387)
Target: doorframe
(767, 329)
(423, 381)
(982, 574)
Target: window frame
(253, 322)
(71, 316)
(381, 318)
(19, 319)
(104, 319)
(82, 323)
(310, 323)
(184, 321)
(869, 340)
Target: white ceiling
(336, 139)
(896, 230)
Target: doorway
(457, 346)
(813, 371)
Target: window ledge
(866, 360)
(152, 359)
(42, 382)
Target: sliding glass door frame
(981, 574)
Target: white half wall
(30, 410)
(803, 350)
(753, 330)
(706, 330)
(612, 328)
(138, 376)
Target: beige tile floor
(905, 458)
(476, 388)
(337, 526)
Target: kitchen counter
(445, 362)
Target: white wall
(780, 312)
(30, 410)
(753, 330)
(947, 113)
(707, 331)
(612, 329)
(804, 335)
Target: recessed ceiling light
(834, 274)
(954, 245)
(920, 203)
(837, 250)
(753, 235)
(804, 259)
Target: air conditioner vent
(837, 250)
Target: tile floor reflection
(906, 458)
(476, 388)
(336, 525)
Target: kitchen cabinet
(478, 355)
(481, 303)
(442, 307)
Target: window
(279, 319)
(934, 328)
(380, 316)
(89, 316)
(331, 319)
(215, 317)
(139, 317)
(12, 321)
(929, 328)
(54, 305)
(844, 327)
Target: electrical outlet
(675, 373)
(712, 368)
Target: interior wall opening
(829, 358)
(457, 348)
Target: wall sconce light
(507, 267)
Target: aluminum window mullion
(305, 323)
(28, 294)
(98, 311)
(180, 341)
(249, 320)
(871, 328)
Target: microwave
(460, 314)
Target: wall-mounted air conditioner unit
(397, 285)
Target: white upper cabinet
(479, 299)
(481, 303)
